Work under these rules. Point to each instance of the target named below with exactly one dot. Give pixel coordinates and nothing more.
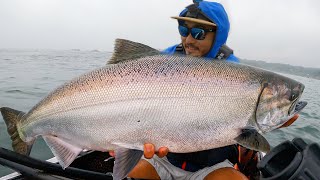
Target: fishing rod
(26, 171)
(28, 166)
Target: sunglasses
(196, 33)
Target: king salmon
(141, 96)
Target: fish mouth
(299, 106)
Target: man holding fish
(204, 29)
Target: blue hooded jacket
(216, 13)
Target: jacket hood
(217, 14)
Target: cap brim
(200, 21)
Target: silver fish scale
(183, 103)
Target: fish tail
(11, 118)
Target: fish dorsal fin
(65, 153)
(125, 50)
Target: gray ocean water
(26, 76)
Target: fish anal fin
(251, 139)
(125, 50)
(65, 152)
(11, 117)
(125, 161)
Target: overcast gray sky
(285, 31)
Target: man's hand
(149, 151)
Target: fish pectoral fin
(65, 153)
(251, 139)
(125, 161)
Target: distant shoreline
(307, 72)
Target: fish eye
(293, 96)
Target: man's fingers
(148, 151)
(163, 151)
(111, 153)
(292, 120)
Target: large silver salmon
(184, 103)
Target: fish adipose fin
(128, 50)
(65, 153)
(11, 118)
(125, 161)
(250, 138)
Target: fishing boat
(289, 160)
(88, 165)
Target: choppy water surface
(26, 76)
